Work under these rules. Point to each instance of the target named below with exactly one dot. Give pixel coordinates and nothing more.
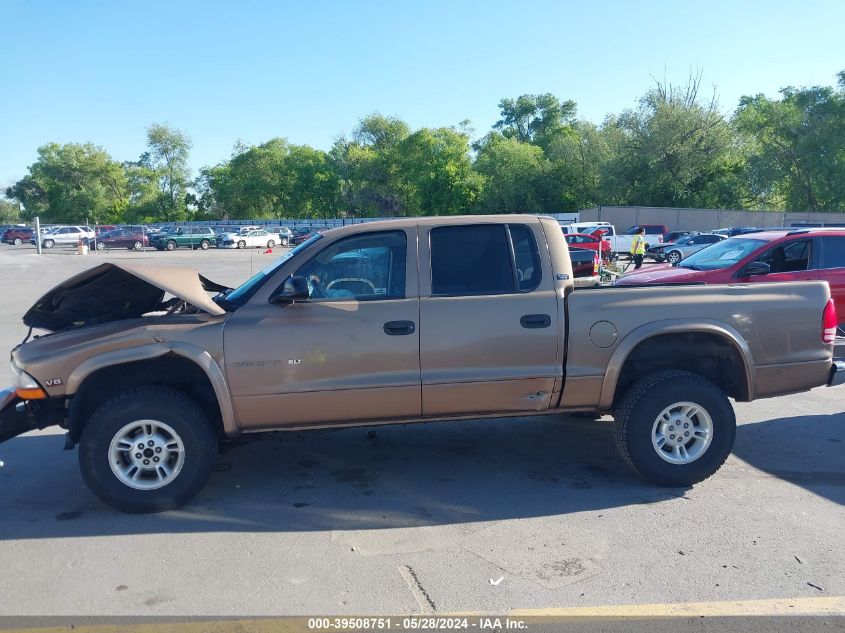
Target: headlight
(25, 385)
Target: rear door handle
(399, 328)
(535, 321)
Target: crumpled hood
(112, 292)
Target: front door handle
(399, 328)
(532, 321)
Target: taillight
(596, 264)
(829, 323)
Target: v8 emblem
(53, 382)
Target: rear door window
(483, 259)
(833, 252)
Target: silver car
(686, 246)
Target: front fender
(148, 352)
(672, 326)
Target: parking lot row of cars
(163, 238)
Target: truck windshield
(242, 293)
(722, 254)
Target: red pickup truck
(769, 256)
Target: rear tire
(241, 244)
(171, 427)
(270, 243)
(138, 245)
(284, 241)
(100, 246)
(675, 428)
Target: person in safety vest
(638, 248)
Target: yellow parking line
(833, 605)
(827, 606)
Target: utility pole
(38, 234)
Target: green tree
(513, 174)
(677, 151)
(9, 211)
(168, 153)
(797, 146)
(437, 172)
(73, 183)
(534, 118)
(274, 179)
(368, 168)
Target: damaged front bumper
(837, 373)
(14, 418)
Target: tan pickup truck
(408, 320)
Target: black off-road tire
(161, 404)
(638, 409)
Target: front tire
(675, 428)
(170, 246)
(673, 257)
(18, 241)
(241, 244)
(204, 245)
(138, 245)
(49, 243)
(284, 241)
(270, 243)
(147, 449)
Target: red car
(17, 235)
(768, 256)
(120, 238)
(589, 242)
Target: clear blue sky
(309, 69)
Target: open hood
(111, 292)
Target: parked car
(284, 234)
(120, 238)
(249, 239)
(675, 252)
(191, 236)
(586, 267)
(674, 236)
(64, 236)
(765, 257)
(480, 321)
(17, 235)
(589, 242)
(304, 234)
(737, 230)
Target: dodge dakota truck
(419, 319)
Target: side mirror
(293, 289)
(755, 269)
